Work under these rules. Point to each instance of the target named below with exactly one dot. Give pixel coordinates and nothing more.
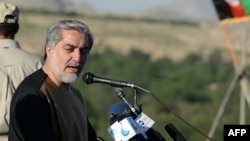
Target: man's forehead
(72, 37)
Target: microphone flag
(144, 121)
(122, 109)
(124, 130)
(125, 124)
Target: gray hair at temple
(54, 32)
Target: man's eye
(69, 49)
(85, 51)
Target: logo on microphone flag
(124, 130)
(144, 121)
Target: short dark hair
(9, 29)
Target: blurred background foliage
(193, 88)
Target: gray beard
(64, 77)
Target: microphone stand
(121, 95)
(173, 132)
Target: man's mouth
(75, 68)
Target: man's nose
(77, 56)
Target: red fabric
(238, 11)
(237, 8)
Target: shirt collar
(9, 43)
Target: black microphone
(90, 78)
(174, 133)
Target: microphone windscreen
(174, 133)
(88, 77)
(154, 135)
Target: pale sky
(121, 6)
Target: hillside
(159, 39)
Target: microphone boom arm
(121, 95)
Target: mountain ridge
(200, 11)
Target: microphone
(121, 111)
(123, 125)
(174, 133)
(90, 78)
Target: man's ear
(48, 50)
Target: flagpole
(228, 14)
(240, 76)
(230, 46)
(233, 83)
